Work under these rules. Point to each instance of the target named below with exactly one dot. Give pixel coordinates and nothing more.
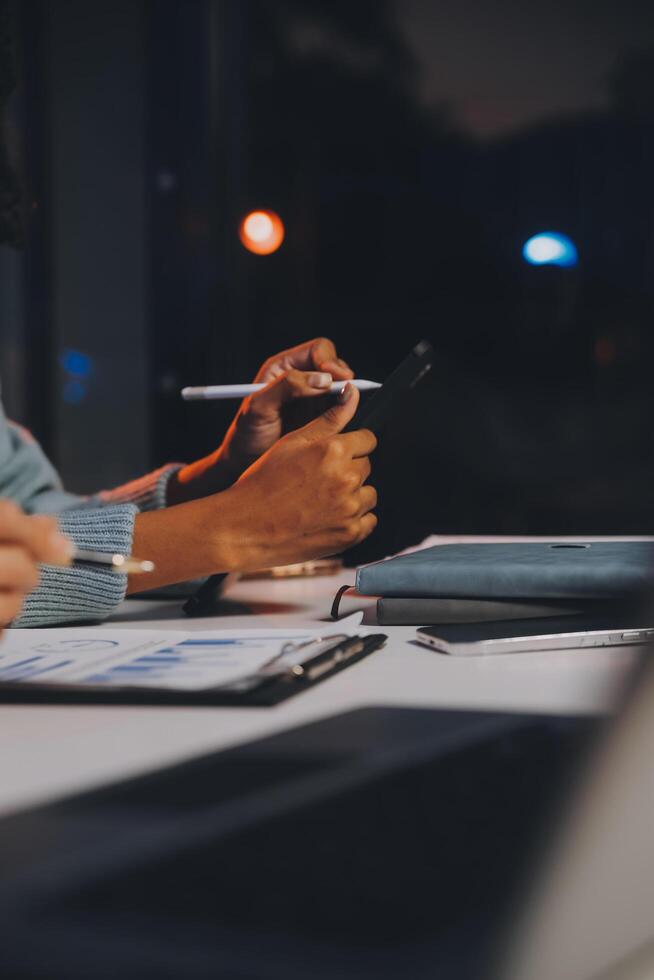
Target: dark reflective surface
(373, 843)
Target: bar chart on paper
(141, 658)
(193, 663)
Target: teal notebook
(525, 570)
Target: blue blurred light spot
(76, 363)
(550, 248)
(74, 392)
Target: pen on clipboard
(126, 564)
(212, 392)
(324, 657)
(308, 661)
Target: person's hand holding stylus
(304, 372)
(306, 497)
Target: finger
(338, 367)
(270, 371)
(362, 468)
(367, 499)
(318, 353)
(39, 535)
(11, 604)
(291, 385)
(307, 384)
(18, 571)
(320, 350)
(300, 357)
(324, 356)
(367, 525)
(11, 517)
(359, 443)
(333, 420)
(47, 543)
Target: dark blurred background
(412, 149)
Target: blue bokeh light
(74, 392)
(550, 248)
(76, 363)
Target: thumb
(334, 419)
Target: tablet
(568, 633)
(374, 412)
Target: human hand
(313, 355)
(301, 373)
(24, 543)
(306, 497)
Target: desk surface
(52, 751)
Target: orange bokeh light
(261, 232)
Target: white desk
(49, 752)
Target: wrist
(186, 541)
(216, 539)
(230, 541)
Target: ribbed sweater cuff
(147, 492)
(66, 595)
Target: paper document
(170, 659)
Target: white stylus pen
(242, 391)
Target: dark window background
(411, 148)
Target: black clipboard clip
(308, 661)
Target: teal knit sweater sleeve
(104, 522)
(67, 595)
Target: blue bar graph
(30, 669)
(188, 662)
(21, 663)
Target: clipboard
(269, 692)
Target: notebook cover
(525, 570)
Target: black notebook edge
(407, 611)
